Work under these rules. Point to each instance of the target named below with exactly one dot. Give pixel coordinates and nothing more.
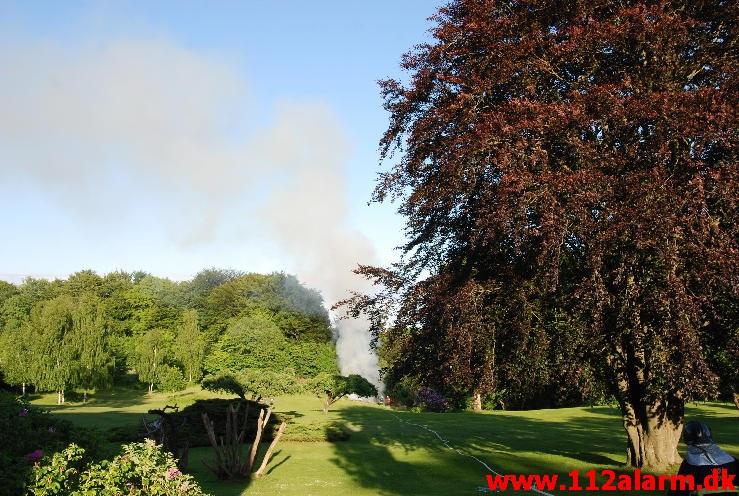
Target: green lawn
(388, 457)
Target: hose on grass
(449, 446)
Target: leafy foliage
(431, 400)
(566, 167)
(26, 434)
(90, 331)
(255, 341)
(142, 469)
(258, 383)
(170, 379)
(190, 350)
(333, 387)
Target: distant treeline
(90, 331)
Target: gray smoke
(106, 125)
(309, 218)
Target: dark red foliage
(571, 160)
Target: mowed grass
(386, 455)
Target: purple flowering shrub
(142, 469)
(431, 400)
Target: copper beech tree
(566, 165)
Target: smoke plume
(109, 127)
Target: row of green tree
(90, 331)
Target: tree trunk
(58, 397)
(62, 396)
(736, 399)
(477, 402)
(653, 432)
(23, 390)
(271, 448)
(261, 424)
(151, 388)
(84, 396)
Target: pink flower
(172, 473)
(34, 456)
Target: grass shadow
(395, 453)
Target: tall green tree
(190, 345)
(151, 352)
(54, 345)
(16, 356)
(83, 282)
(92, 352)
(6, 291)
(567, 158)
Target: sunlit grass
(388, 457)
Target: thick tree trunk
(653, 433)
(151, 388)
(477, 402)
(736, 399)
(23, 389)
(62, 396)
(58, 397)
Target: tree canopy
(333, 387)
(567, 171)
(89, 331)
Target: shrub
(190, 423)
(142, 469)
(26, 434)
(403, 392)
(496, 399)
(170, 379)
(432, 400)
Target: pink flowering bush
(26, 434)
(143, 469)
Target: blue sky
(173, 136)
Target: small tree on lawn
(230, 460)
(334, 387)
